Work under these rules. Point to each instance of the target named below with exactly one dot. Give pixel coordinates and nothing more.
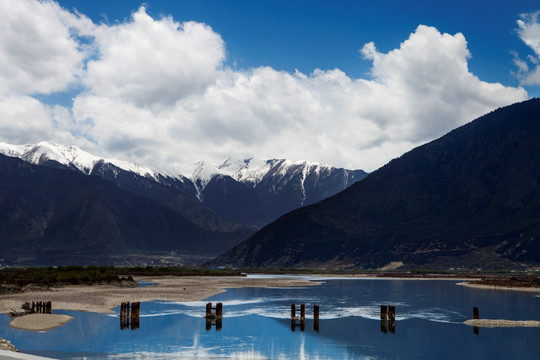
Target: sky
(351, 84)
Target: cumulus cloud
(27, 120)
(150, 62)
(156, 92)
(529, 32)
(39, 52)
(428, 83)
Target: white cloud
(38, 50)
(427, 82)
(156, 93)
(529, 32)
(26, 120)
(152, 62)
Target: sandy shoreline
(499, 288)
(103, 298)
(40, 322)
(502, 323)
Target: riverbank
(491, 323)
(103, 298)
(479, 285)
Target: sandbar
(502, 323)
(40, 322)
(103, 298)
(473, 284)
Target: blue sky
(306, 35)
(349, 83)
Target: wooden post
(384, 312)
(316, 312)
(219, 310)
(302, 311)
(476, 313)
(208, 309)
(135, 309)
(392, 318)
(219, 323)
(384, 317)
(293, 311)
(49, 307)
(124, 318)
(384, 326)
(316, 317)
(33, 307)
(392, 313)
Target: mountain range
(470, 199)
(249, 192)
(106, 207)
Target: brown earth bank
(502, 323)
(522, 281)
(102, 298)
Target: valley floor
(104, 298)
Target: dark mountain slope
(475, 189)
(169, 194)
(285, 186)
(57, 210)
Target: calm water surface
(256, 325)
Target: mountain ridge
(50, 213)
(273, 186)
(475, 190)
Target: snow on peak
(66, 155)
(63, 154)
(12, 150)
(246, 170)
(250, 171)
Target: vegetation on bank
(87, 275)
(177, 271)
(59, 275)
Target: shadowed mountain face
(138, 210)
(237, 195)
(284, 187)
(470, 197)
(47, 211)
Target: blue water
(256, 325)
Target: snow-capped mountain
(247, 191)
(69, 156)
